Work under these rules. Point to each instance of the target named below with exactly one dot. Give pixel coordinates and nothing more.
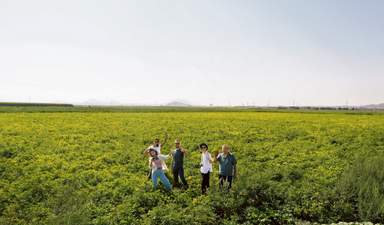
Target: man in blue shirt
(177, 163)
(227, 166)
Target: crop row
(89, 168)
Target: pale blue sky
(310, 52)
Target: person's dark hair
(203, 144)
(156, 139)
(152, 149)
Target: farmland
(88, 167)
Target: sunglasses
(177, 143)
(203, 147)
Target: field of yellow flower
(89, 168)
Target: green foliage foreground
(88, 168)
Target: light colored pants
(160, 174)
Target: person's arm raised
(216, 154)
(146, 152)
(183, 151)
(165, 140)
(208, 157)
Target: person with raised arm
(227, 168)
(157, 165)
(177, 163)
(156, 145)
(206, 167)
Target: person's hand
(182, 150)
(216, 153)
(201, 164)
(235, 176)
(166, 134)
(172, 150)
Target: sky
(220, 52)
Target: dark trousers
(225, 181)
(179, 172)
(204, 182)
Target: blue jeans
(179, 172)
(160, 174)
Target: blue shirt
(226, 164)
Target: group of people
(227, 168)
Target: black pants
(225, 181)
(204, 182)
(179, 172)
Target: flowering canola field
(88, 168)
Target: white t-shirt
(207, 166)
(156, 148)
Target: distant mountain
(374, 106)
(179, 102)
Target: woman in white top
(157, 164)
(156, 145)
(206, 167)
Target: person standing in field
(156, 145)
(227, 168)
(206, 167)
(157, 165)
(178, 163)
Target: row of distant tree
(34, 104)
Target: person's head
(225, 149)
(155, 142)
(177, 143)
(153, 152)
(203, 146)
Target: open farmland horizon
(88, 168)
(184, 102)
